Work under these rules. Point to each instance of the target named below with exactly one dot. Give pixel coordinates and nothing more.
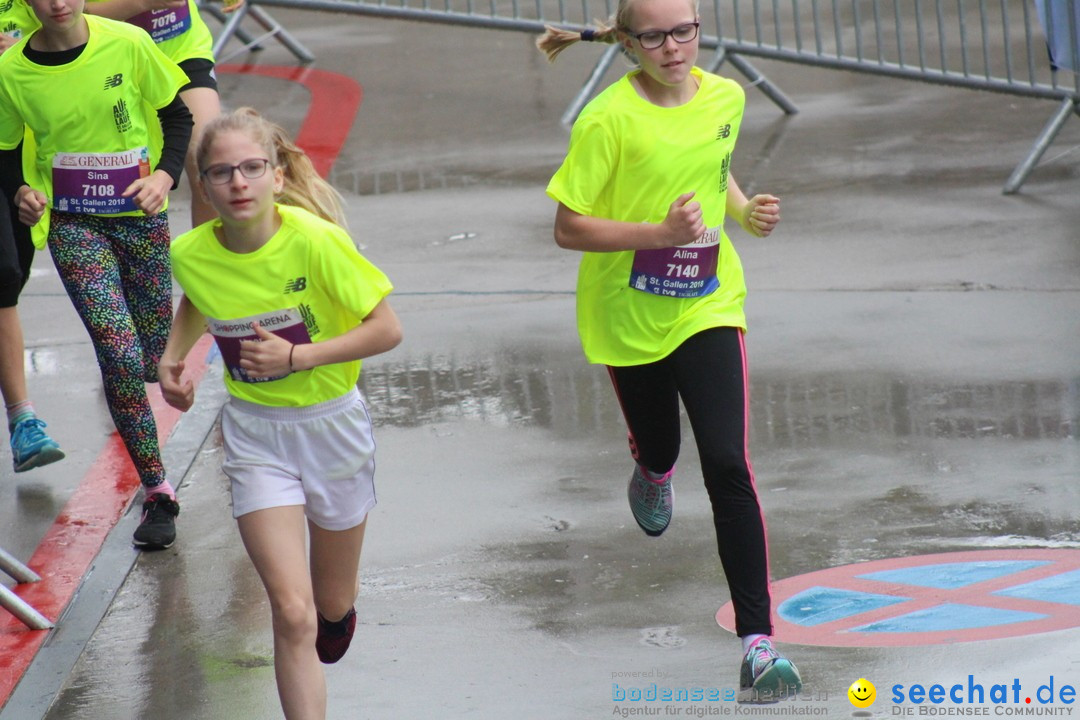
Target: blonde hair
(304, 187)
(555, 40)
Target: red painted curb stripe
(71, 544)
(335, 100)
(75, 538)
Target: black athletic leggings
(708, 372)
(16, 254)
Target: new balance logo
(296, 285)
(724, 132)
(121, 117)
(114, 81)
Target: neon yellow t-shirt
(309, 270)
(628, 160)
(17, 19)
(94, 119)
(180, 33)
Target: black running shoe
(157, 529)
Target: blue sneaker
(30, 446)
(767, 676)
(651, 500)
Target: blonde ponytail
(304, 187)
(555, 40)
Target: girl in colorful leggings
(111, 134)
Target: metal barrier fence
(996, 45)
(15, 604)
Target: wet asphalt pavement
(913, 346)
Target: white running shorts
(320, 456)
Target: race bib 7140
(685, 271)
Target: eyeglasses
(652, 39)
(221, 174)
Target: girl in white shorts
(293, 307)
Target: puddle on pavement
(540, 389)
(851, 468)
(605, 578)
(373, 182)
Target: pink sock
(655, 478)
(163, 489)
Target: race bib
(685, 271)
(91, 183)
(164, 24)
(287, 324)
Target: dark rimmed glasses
(222, 174)
(652, 39)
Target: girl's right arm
(187, 327)
(683, 224)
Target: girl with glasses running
(101, 103)
(643, 193)
(293, 307)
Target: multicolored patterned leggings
(116, 271)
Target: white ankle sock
(749, 641)
(21, 408)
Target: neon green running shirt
(94, 119)
(180, 33)
(628, 160)
(310, 270)
(17, 19)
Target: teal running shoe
(30, 446)
(767, 676)
(651, 500)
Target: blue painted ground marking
(949, 616)
(1064, 588)
(967, 596)
(948, 576)
(818, 605)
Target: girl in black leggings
(643, 193)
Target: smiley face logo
(862, 693)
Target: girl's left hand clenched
(762, 213)
(266, 357)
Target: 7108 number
(98, 190)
